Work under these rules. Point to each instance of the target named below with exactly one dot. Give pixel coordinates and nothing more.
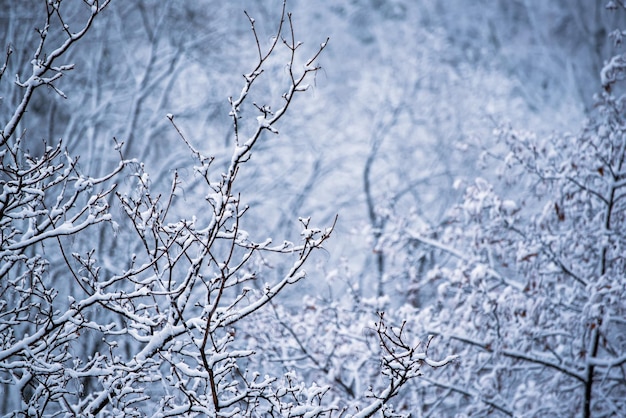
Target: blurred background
(395, 122)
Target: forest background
(463, 164)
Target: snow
(266, 124)
(613, 70)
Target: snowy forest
(290, 208)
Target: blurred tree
(528, 274)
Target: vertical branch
(377, 222)
(6, 61)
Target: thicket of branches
(136, 276)
(113, 304)
(524, 277)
